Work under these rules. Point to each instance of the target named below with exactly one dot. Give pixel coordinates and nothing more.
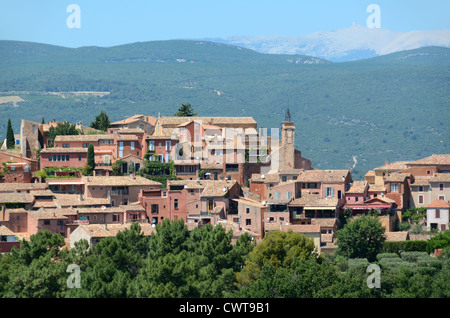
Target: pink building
(63, 157)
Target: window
(420, 198)
(46, 222)
(248, 222)
(441, 186)
(106, 142)
(441, 197)
(420, 188)
(85, 145)
(66, 145)
(288, 194)
(329, 191)
(356, 199)
(438, 213)
(340, 196)
(175, 203)
(247, 210)
(191, 168)
(394, 187)
(132, 145)
(284, 178)
(155, 208)
(312, 185)
(50, 158)
(67, 157)
(277, 195)
(151, 145)
(115, 217)
(168, 145)
(167, 158)
(120, 145)
(79, 157)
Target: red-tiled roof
(439, 204)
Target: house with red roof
(438, 215)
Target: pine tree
(101, 122)
(10, 140)
(185, 110)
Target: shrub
(387, 255)
(406, 246)
(355, 262)
(413, 256)
(404, 226)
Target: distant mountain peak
(346, 44)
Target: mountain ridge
(344, 44)
(387, 108)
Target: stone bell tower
(287, 157)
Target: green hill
(393, 107)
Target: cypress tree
(10, 140)
(90, 157)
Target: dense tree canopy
(185, 110)
(101, 122)
(64, 128)
(206, 262)
(363, 237)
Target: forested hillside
(394, 107)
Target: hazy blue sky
(113, 22)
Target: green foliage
(363, 237)
(159, 171)
(101, 122)
(175, 262)
(442, 240)
(91, 156)
(185, 110)
(407, 246)
(61, 129)
(279, 249)
(10, 140)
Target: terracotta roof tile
(5, 231)
(436, 159)
(16, 198)
(440, 177)
(69, 138)
(323, 176)
(397, 177)
(313, 200)
(118, 181)
(397, 236)
(439, 204)
(358, 187)
(64, 150)
(395, 166)
(215, 188)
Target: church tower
(287, 153)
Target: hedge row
(405, 246)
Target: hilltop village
(218, 170)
